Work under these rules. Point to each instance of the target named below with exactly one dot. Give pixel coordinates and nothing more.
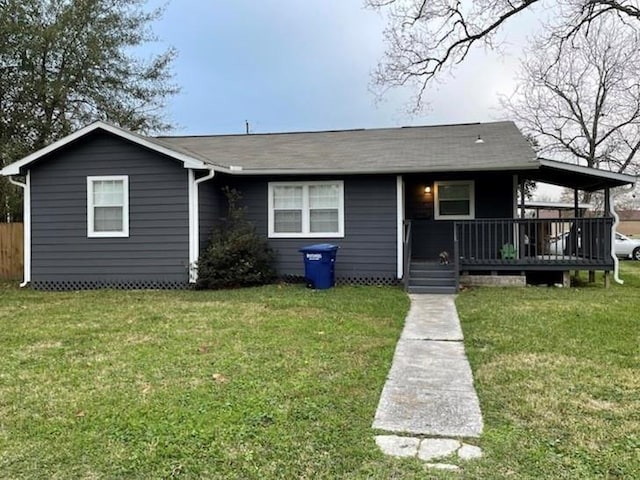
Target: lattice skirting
(367, 281)
(66, 285)
(392, 281)
(63, 285)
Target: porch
(533, 244)
(506, 246)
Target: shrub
(236, 255)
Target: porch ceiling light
(479, 139)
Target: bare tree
(425, 37)
(581, 100)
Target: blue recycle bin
(319, 265)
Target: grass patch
(283, 382)
(557, 375)
(273, 382)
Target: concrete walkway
(429, 390)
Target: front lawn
(558, 376)
(283, 382)
(273, 382)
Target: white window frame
(306, 222)
(472, 200)
(91, 233)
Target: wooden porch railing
(533, 241)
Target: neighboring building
(105, 207)
(629, 222)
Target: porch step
(422, 273)
(431, 281)
(431, 289)
(431, 277)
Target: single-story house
(105, 207)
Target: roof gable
(188, 160)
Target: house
(105, 207)
(629, 222)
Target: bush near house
(236, 255)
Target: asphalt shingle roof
(429, 148)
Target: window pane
(455, 207)
(453, 192)
(287, 197)
(107, 219)
(108, 192)
(323, 196)
(287, 221)
(324, 221)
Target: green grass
(283, 382)
(273, 382)
(557, 372)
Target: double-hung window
(306, 209)
(108, 206)
(454, 200)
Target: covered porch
(490, 233)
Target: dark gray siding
(368, 249)
(212, 207)
(494, 196)
(493, 199)
(156, 251)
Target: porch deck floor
(539, 262)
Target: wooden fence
(11, 248)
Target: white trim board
(472, 200)
(400, 225)
(188, 161)
(91, 232)
(306, 222)
(26, 220)
(194, 221)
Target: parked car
(624, 246)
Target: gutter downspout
(616, 221)
(194, 222)
(26, 260)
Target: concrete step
(431, 289)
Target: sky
(305, 65)
(300, 65)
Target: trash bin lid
(319, 247)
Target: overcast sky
(304, 65)
(292, 65)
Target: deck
(533, 244)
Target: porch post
(576, 214)
(519, 232)
(522, 197)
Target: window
(108, 206)
(310, 209)
(454, 200)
